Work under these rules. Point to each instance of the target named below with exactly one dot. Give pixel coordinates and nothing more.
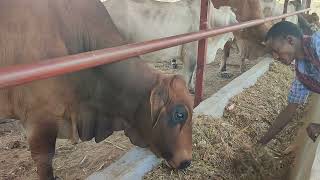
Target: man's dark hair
(284, 29)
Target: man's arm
(298, 94)
(282, 120)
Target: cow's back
(142, 20)
(28, 35)
(36, 30)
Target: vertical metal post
(308, 4)
(285, 8)
(202, 53)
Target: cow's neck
(129, 84)
(126, 97)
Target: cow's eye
(179, 115)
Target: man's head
(284, 40)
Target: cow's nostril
(185, 164)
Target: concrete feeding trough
(138, 161)
(214, 106)
(131, 166)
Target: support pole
(202, 53)
(285, 8)
(308, 4)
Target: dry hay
(227, 148)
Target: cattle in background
(309, 23)
(141, 20)
(155, 110)
(249, 41)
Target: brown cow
(245, 10)
(249, 40)
(155, 110)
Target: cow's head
(170, 133)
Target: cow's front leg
(244, 59)
(243, 66)
(223, 64)
(189, 59)
(42, 136)
(244, 53)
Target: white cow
(141, 20)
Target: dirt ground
(79, 161)
(70, 162)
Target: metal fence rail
(24, 73)
(202, 53)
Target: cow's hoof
(174, 64)
(243, 69)
(192, 91)
(225, 75)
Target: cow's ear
(158, 98)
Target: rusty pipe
(25, 73)
(202, 53)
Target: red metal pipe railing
(21, 74)
(202, 53)
(285, 8)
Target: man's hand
(282, 120)
(313, 131)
